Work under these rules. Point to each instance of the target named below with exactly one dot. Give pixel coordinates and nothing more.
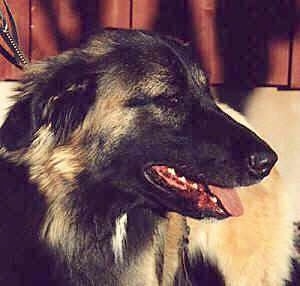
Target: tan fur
(199, 75)
(280, 126)
(54, 169)
(172, 247)
(157, 82)
(142, 268)
(56, 224)
(253, 249)
(110, 117)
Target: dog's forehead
(159, 80)
(147, 64)
(156, 70)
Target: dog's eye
(161, 100)
(168, 101)
(138, 101)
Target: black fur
(295, 274)
(175, 121)
(22, 207)
(196, 271)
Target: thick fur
(77, 209)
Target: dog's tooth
(213, 199)
(195, 186)
(171, 171)
(182, 179)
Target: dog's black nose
(261, 163)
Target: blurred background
(250, 50)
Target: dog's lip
(200, 197)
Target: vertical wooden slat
(68, 18)
(171, 19)
(163, 16)
(204, 21)
(278, 61)
(43, 36)
(20, 10)
(279, 20)
(55, 27)
(115, 13)
(295, 58)
(144, 14)
(295, 63)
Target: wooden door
(239, 43)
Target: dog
(101, 144)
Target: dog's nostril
(261, 163)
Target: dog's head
(139, 107)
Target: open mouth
(196, 199)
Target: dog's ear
(57, 93)
(16, 129)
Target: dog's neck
(116, 233)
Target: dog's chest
(142, 251)
(142, 270)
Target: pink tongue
(229, 199)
